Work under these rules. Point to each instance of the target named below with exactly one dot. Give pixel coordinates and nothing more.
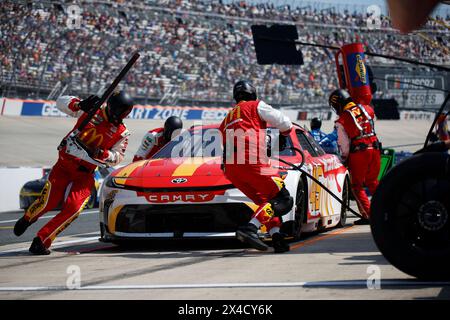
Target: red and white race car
(180, 193)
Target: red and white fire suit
(360, 148)
(71, 179)
(254, 176)
(152, 142)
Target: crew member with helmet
(359, 147)
(257, 179)
(157, 138)
(315, 126)
(71, 179)
(328, 142)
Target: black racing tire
(300, 212)
(293, 228)
(346, 200)
(410, 220)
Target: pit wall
(12, 180)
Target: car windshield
(202, 142)
(193, 143)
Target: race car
(32, 189)
(181, 192)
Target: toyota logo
(179, 180)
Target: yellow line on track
(319, 238)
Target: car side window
(288, 151)
(315, 145)
(307, 143)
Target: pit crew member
(256, 179)
(315, 126)
(327, 141)
(157, 138)
(71, 178)
(359, 147)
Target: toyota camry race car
(182, 192)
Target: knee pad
(282, 203)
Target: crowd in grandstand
(190, 49)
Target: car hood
(172, 173)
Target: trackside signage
(17, 107)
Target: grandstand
(192, 51)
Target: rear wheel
(410, 219)
(346, 201)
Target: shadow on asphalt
(342, 245)
(376, 259)
(154, 246)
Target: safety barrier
(19, 107)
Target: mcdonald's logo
(91, 138)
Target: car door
(317, 197)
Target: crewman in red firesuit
(71, 179)
(250, 170)
(157, 138)
(359, 147)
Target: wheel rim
(422, 215)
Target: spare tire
(410, 219)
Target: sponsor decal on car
(182, 197)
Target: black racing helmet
(118, 106)
(339, 99)
(316, 123)
(244, 90)
(172, 123)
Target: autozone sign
(182, 197)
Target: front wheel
(294, 227)
(410, 219)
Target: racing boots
(21, 226)
(249, 235)
(37, 247)
(279, 243)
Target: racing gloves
(87, 104)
